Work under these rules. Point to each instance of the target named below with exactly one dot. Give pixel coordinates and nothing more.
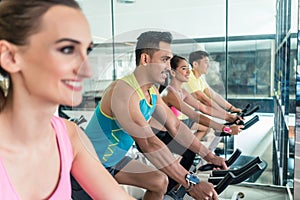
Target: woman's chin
(76, 101)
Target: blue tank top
(111, 141)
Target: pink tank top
(176, 112)
(63, 189)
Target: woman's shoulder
(71, 127)
(63, 125)
(75, 134)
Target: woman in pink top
(43, 59)
(179, 99)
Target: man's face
(203, 65)
(159, 64)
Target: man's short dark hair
(197, 55)
(148, 42)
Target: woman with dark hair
(185, 106)
(43, 60)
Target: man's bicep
(125, 109)
(132, 121)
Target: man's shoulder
(203, 81)
(192, 78)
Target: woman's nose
(188, 71)
(84, 69)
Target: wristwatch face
(192, 178)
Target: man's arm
(183, 135)
(195, 88)
(221, 114)
(125, 108)
(173, 99)
(202, 97)
(220, 100)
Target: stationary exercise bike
(244, 113)
(223, 178)
(247, 111)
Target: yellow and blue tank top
(111, 141)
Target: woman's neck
(27, 122)
(176, 84)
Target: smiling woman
(43, 61)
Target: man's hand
(216, 160)
(235, 110)
(236, 129)
(203, 190)
(231, 117)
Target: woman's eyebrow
(67, 40)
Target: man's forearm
(223, 103)
(221, 114)
(186, 138)
(163, 160)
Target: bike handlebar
(228, 162)
(236, 179)
(222, 185)
(236, 172)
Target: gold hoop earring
(4, 84)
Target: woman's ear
(172, 73)
(7, 57)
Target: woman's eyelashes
(89, 50)
(70, 49)
(67, 49)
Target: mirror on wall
(251, 63)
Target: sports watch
(192, 180)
